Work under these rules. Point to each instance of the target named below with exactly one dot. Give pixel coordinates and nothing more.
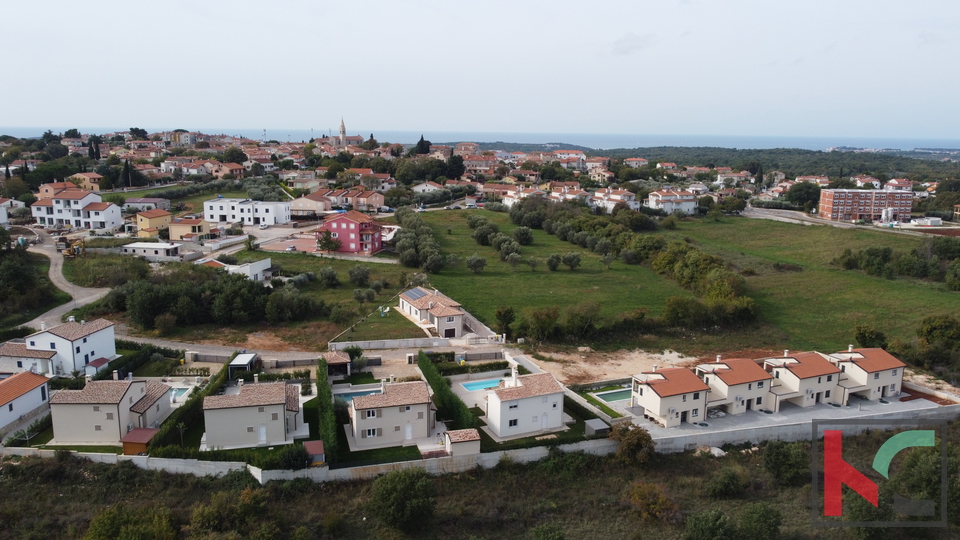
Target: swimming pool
(616, 395)
(179, 392)
(480, 385)
(350, 395)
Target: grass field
(393, 325)
(58, 297)
(619, 290)
(819, 306)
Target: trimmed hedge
(190, 413)
(437, 357)
(449, 368)
(14, 333)
(328, 418)
(289, 457)
(449, 405)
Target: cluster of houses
(672, 396)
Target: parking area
(308, 245)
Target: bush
(788, 463)
(553, 261)
(651, 503)
(636, 445)
(360, 275)
(476, 263)
(405, 499)
(709, 525)
(523, 236)
(728, 483)
(760, 521)
(670, 223)
(165, 324)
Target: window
(96, 408)
(684, 397)
(760, 384)
(259, 409)
(512, 423)
(876, 376)
(776, 374)
(10, 407)
(536, 419)
(43, 393)
(109, 416)
(372, 432)
(894, 372)
(893, 387)
(372, 413)
(829, 378)
(749, 386)
(450, 319)
(396, 428)
(759, 401)
(19, 363)
(826, 394)
(84, 340)
(158, 408)
(249, 429)
(33, 344)
(131, 400)
(819, 380)
(639, 390)
(696, 395)
(514, 404)
(695, 413)
(97, 427)
(406, 408)
(275, 416)
(843, 369)
(53, 345)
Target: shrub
(636, 445)
(405, 499)
(788, 463)
(728, 483)
(670, 223)
(360, 275)
(571, 260)
(553, 261)
(523, 236)
(651, 503)
(709, 525)
(760, 521)
(476, 263)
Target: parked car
(291, 248)
(471, 205)
(458, 207)
(263, 226)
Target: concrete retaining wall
(413, 343)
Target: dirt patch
(739, 353)
(589, 366)
(932, 383)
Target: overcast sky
(738, 67)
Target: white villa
(104, 411)
(261, 414)
(671, 201)
(60, 350)
(525, 404)
(246, 211)
(400, 412)
(434, 310)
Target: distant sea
(589, 140)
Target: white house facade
(246, 211)
(525, 404)
(433, 309)
(263, 414)
(400, 412)
(20, 395)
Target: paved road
(791, 216)
(81, 295)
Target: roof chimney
(718, 358)
(513, 375)
(849, 348)
(83, 322)
(116, 375)
(43, 326)
(383, 386)
(654, 368)
(786, 353)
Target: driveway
(81, 295)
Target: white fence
(412, 343)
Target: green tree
(433, 264)
(326, 242)
(533, 262)
(802, 193)
(405, 499)
(523, 236)
(571, 260)
(636, 445)
(553, 261)
(607, 260)
(505, 317)
(543, 323)
(72, 133)
(360, 275)
(869, 337)
(455, 167)
(579, 320)
(788, 463)
(476, 263)
(234, 155)
(138, 134)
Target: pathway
(81, 295)
(800, 218)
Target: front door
(683, 416)
(543, 421)
(749, 404)
(263, 435)
(817, 400)
(409, 433)
(450, 332)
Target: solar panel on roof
(416, 293)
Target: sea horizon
(596, 141)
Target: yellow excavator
(75, 249)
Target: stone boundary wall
(412, 343)
(671, 444)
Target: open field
(393, 325)
(58, 297)
(819, 306)
(619, 290)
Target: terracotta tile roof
(293, 398)
(463, 435)
(72, 194)
(43, 202)
(535, 384)
(98, 362)
(336, 357)
(675, 381)
(213, 264)
(90, 175)
(74, 330)
(445, 311)
(20, 350)
(313, 447)
(140, 435)
(395, 394)
(186, 222)
(870, 360)
(155, 213)
(807, 365)
(97, 206)
(17, 385)
(154, 392)
(420, 298)
(253, 395)
(738, 371)
(95, 392)
(352, 215)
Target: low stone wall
(412, 343)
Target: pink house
(357, 232)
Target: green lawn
(91, 449)
(393, 325)
(818, 307)
(619, 290)
(57, 297)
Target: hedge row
(437, 357)
(449, 405)
(450, 368)
(328, 419)
(289, 457)
(136, 346)
(14, 333)
(190, 413)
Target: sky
(873, 68)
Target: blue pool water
(350, 395)
(616, 395)
(179, 392)
(480, 385)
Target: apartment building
(864, 204)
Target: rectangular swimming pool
(350, 395)
(616, 395)
(480, 385)
(179, 392)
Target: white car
(263, 226)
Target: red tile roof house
(20, 395)
(65, 348)
(399, 414)
(358, 233)
(261, 414)
(522, 405)
(738, 385)
(105, 411)
(872, 374)
(670, 396)
(433, 310)
(804, 379)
